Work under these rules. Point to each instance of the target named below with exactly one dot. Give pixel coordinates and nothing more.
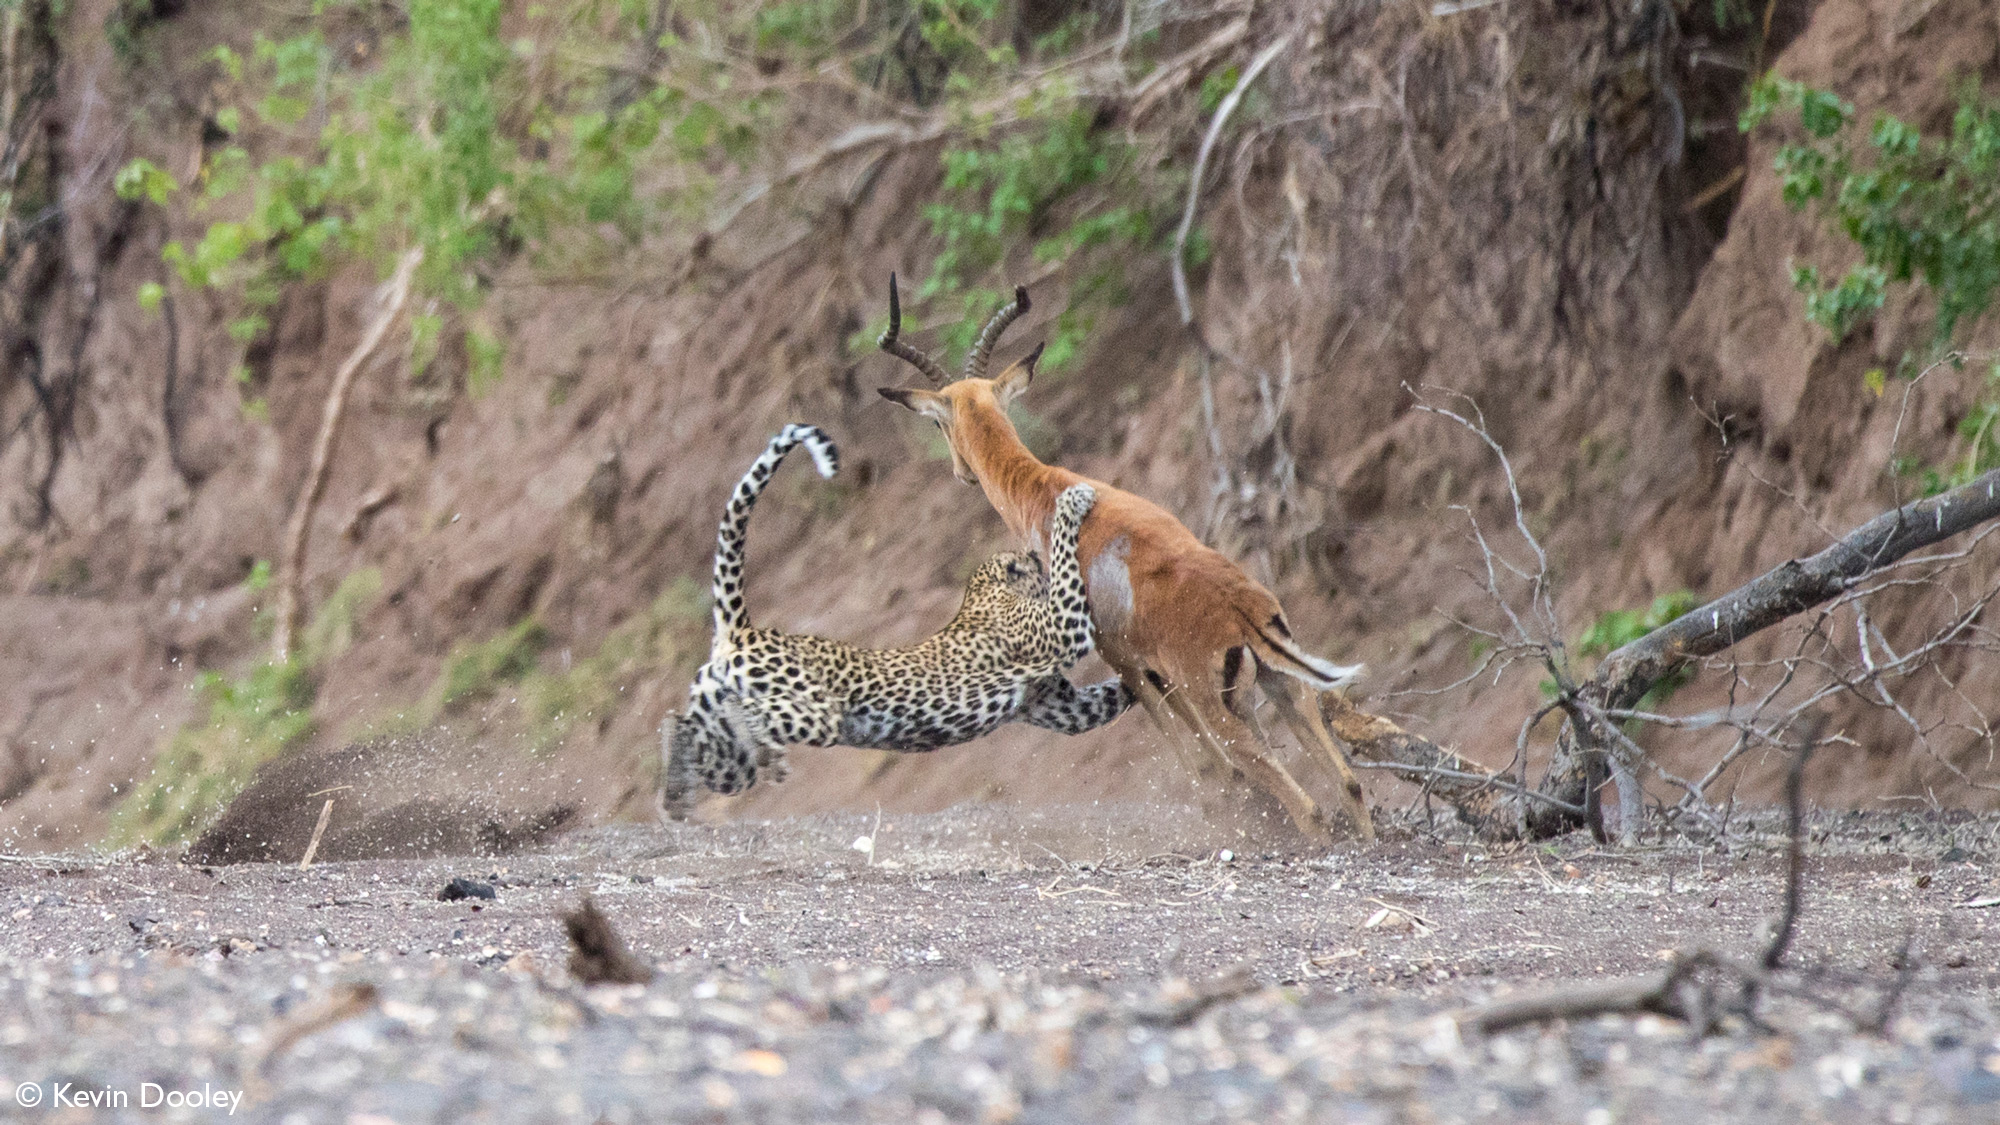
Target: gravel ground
(995, 965)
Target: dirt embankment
(1509, 202)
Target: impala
(1185, 629)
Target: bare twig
(291, 569)
(1583, 1001)
(1222, 112)
(1182, 1003)
(319, 830)
(1795, 861)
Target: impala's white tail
(1281, 652)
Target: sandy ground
(986, 964)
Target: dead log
(1489, 802)
(1787, 589)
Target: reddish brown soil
(1511, 224)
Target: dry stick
(1464, 784)
(1598, 998)
(312, 846)
(1788, 589)
(9, 104)
(291, 570)
(1675, 992)
(1229, 985)
(1221, 118)
(872, 135)
(1173, 74)
(1795, 858)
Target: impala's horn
(896, 347)
(975, 363)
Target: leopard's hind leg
(1055, 704)
(773, 720)
(680, 761)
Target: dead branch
(865, 137)
(1476, 793)
(1798, 585)
(1182, 1002)
(1222, 112)
(1702, 985)
(1786, 590)
(291, 569)
(1584, 1001)
(1175, 73)
(1795, 852)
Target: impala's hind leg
(1153, 698)
(1300, 711)
(1200, 703)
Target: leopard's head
(1010, 575)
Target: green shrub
(1922, 210)
(447, 144)
(1058, 176)
(1620, 627)
(476, 669)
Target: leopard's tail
(731, 616)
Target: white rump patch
(1110, 587)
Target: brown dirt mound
(392, 798)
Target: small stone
(462, 888)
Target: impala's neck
(1016, 484)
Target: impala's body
(1182, 625)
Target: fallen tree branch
(1785, 590)
(1798, 585)
(1478, 794)
(1579, 1002)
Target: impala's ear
(1016, 378)
(930, 404)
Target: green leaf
(141, 178)
(151, 293)
(1823, 113)
(245, 329)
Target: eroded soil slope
(1511, 202)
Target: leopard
(1001, 658)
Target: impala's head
(956, 402)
